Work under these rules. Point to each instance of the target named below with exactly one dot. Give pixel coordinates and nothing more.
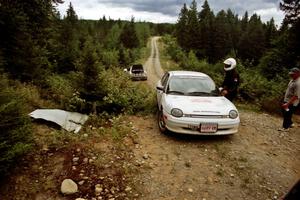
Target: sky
(167, 11)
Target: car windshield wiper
(175, 92)
(215, 93)
(200, 94)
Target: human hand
(285, 106)
(224, 92)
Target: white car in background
(189, 103)
(137, 72)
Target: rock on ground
(68, 186)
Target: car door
(160, 88)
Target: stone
(81, 182)
(75, 159)
(98, 190)
(127, 189)
(45, 148)
(190, 190)
(145, 156)
(85, 160)
(80, 199)
(209, 180)
(68, 186)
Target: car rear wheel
(161, 122)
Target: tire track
(152, 65)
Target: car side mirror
(159, 88)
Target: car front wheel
(161, 122)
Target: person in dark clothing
(231, 81)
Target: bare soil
(258, 162)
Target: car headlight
(233, 114)
(176, 112)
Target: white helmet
(230, 64)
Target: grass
(145, 53)
(165, 60)
(248, 107)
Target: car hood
(200, 105)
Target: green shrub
(270, 64)
(123, 95)
(59, 89)
(110, 58)
(124, 57)
(271, 101)
(15, 135)
(173, 49)
(190, 62)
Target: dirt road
(256, 163)
(152, 65)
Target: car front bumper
(188, 125)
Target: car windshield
(192, 86)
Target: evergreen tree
(15, 135)
(181, 28)
(252, 42)
(113, 39)
(206, 19)
(222, 37)
(129, 36)
(271, 32)
(24, 36)
(292, 10)
(193, 28)
(292, 18)
(124, 57)
(244, 22)
(234, 28)
(143, 32)
(71, 17)
(91, 84)
(69, 40)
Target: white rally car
(189, 103)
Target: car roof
(187, 73)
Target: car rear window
(137, 68)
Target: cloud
(166, 7)
(92, 9)
(168, 10)
(267, 14)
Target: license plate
(208, 128)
